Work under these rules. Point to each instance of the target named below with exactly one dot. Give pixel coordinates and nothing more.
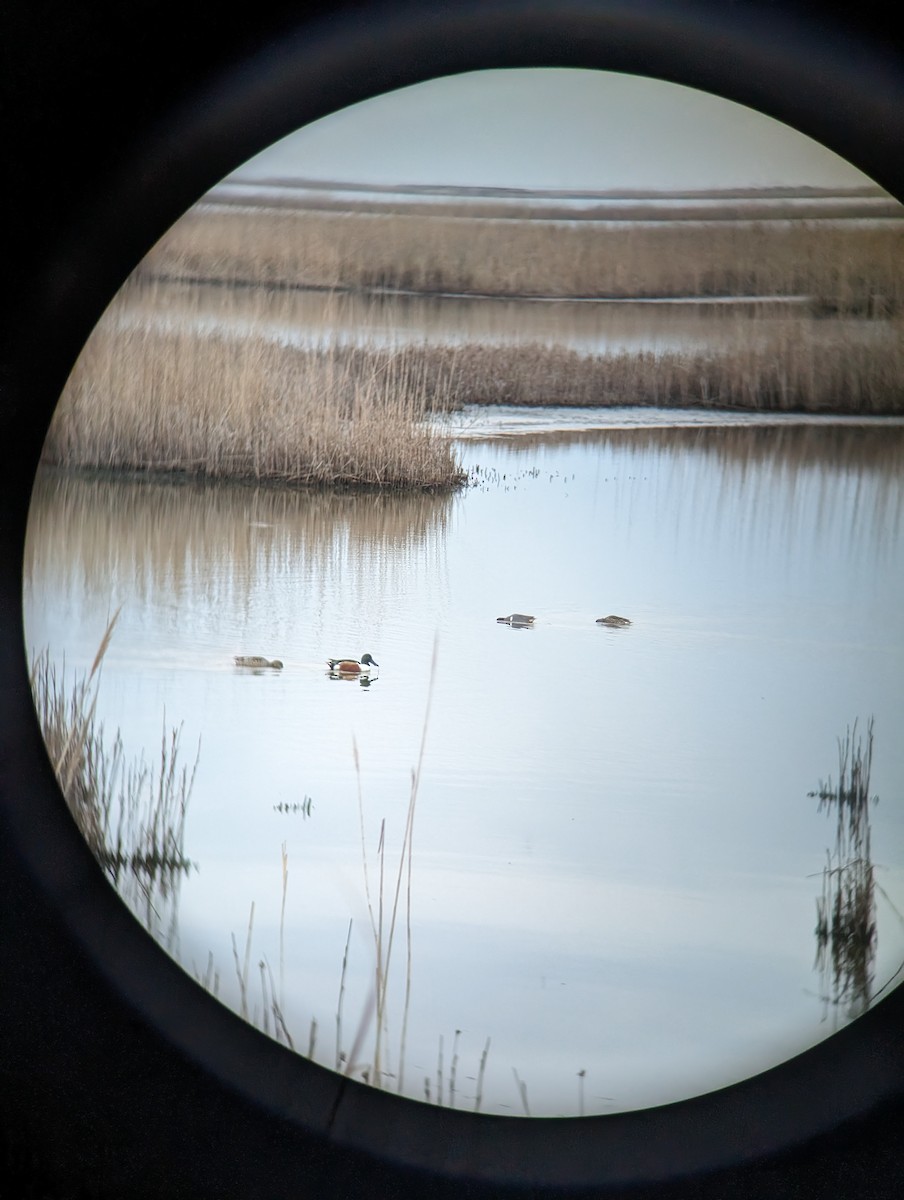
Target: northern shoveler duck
(516, 619)
(613, 621)
(351, 666)
(255, 660)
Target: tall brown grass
(223, 397)
(223, 404)
(154, 398)
(844, 266)
(793, 365)
(131, 815)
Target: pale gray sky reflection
(553, 128)
(616, 859)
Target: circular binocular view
(463, 592)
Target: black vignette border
(87, 92)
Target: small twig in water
(238, 971)
(453, 1068)
(266, 1008)
(278, 1019)
(522, 1091)
(282, 927)
(341, 996)
(483, 1063)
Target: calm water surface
(615, 858)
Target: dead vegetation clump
(153, 398)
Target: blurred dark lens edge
(80, 88)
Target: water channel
(615, 858)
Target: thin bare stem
(282, 926)
(265, 1010)
(522, 1092)
(454, 1068)
(407, 847)
(480, 1074)
(341, 997)
(370, 907)
(242, 991)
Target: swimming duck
(351, 666)
(613, 621)
(516, 619)
(255, 660)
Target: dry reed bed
(800, 366)
(843, 266)
(152, 398)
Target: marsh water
(305, 317)
(615, 859)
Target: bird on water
(516, 619)
(352, 666)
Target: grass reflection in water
(846, 925)
(132, 818)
